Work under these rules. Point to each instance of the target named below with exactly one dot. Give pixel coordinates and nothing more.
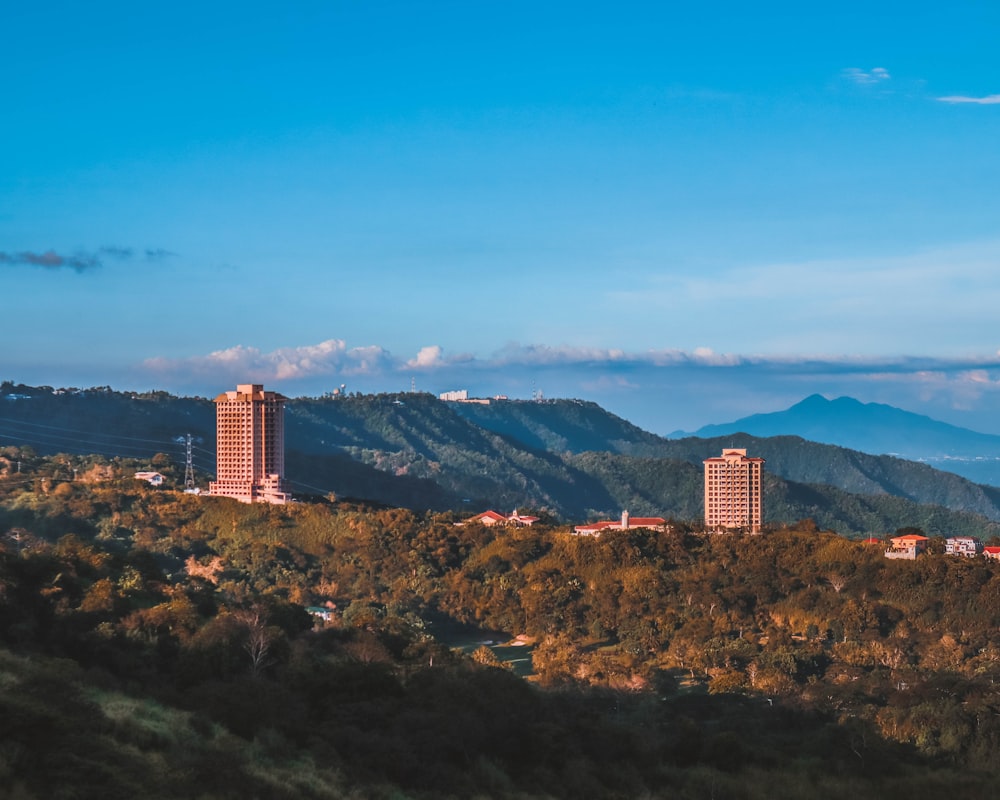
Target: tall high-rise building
(250, 445)
(733, 493)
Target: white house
(152, 478)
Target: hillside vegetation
(158, 643)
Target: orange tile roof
(490, 515)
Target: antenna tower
(189, 467)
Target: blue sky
(685, 212)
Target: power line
(78, 431)
(75, 445)
(79, 442)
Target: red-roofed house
(907, 547)
(490, 518)
(992, 552)
(520, 520)
(626, 523)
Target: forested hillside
(158, 643)
(568, 458)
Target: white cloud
(287, 363)
(427, 358)
(988, 100)
(705, 355)
(866, 77)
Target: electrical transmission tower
(189, 468)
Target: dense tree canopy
(144, 628)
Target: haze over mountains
(877, 429)
(569, 458)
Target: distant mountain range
(569, 458)
(877, 429)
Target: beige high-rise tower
(250, 445)
(733, 493)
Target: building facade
(734, 497)
(968, 546)
(907, 547)
(491, 518)
(250, 445)
(626, 523)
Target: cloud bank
(988, 100)
(662, 390)
(615, 368)
(242, 363)
(333, 356)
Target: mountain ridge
(569, 458)
(877, 429)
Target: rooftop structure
(968, 546)
(907, 547)
(734, 498)
(250, 445)
(462, 396)
(626, 523)
(491, 518)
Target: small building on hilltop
(626, 523)
(152, 478)
(992, 553)
(968, 546)
(907, 547)
(491, 518)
